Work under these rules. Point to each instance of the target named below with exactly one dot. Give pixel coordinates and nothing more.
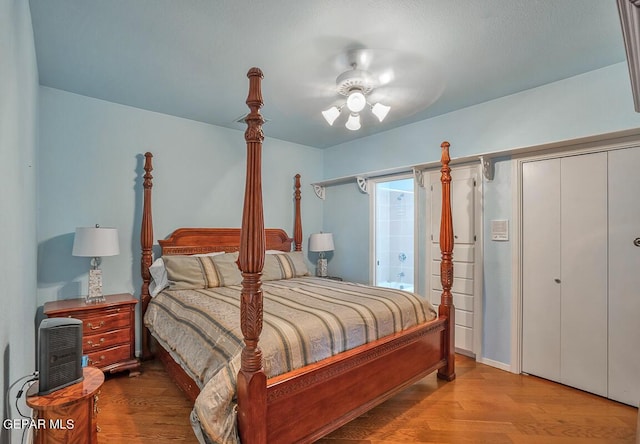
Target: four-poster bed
(305, 402)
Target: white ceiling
(189, 58)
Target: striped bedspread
(305, 320)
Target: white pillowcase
(158, 271)
(159, 279)
(214, 253)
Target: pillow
(208, 271)
(284, 265)
(213, 253)
(158, 273)
(158, 277)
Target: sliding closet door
(565, 270)
(624, 275)
(583, 258)
(541, 268)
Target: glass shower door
(394, 225)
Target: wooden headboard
(208, 240)
(203, 240)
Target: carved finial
(445, 152)
(148, 168)
(254, 119)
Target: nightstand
(108, 330)
(70, 414)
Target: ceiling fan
(355, 84)
(379, 81)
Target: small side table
(70, 414)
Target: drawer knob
(93, 344)
(91, 361)
(95, 327)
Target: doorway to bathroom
(394, 233)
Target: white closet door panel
(463, 286)
(540, 268)
(464, 318)
(464, 270)
(463, 192)
(624, 276)
(461, 253)
(464, 337)
(462, 208)
(460, 269)
(460, 301)
(583, 258)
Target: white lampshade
(380, 111)
(356, 101)
(321, 242)
(331, 114)
(96, 242)
(353, 123)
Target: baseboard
(496, 364)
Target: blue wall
(18, 169)
(91, 152)
(594, 103)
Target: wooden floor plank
(483, 405)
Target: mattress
(305, 320)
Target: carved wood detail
(446, 308)
(297, 226)
(251, 384)
(146, 242)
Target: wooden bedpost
(297, 227)
(252, 382)
(146, 242)
(446, 308)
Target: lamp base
(321, 269)
(95, 287)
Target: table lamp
(321, 242)
(95, 242)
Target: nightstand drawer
(109, 356)
(106, 339)
(104, 321)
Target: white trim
(372, 235)
(478, 312)
(371, 190)
(496, 364)
(516, 270)
(571, 148)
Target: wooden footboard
(327, 395)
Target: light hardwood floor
(483, 404)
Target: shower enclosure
(394, 225)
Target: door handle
(636, 242)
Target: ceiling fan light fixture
(356, 101)
(331, 114)
(353, 123)
(380, 111)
